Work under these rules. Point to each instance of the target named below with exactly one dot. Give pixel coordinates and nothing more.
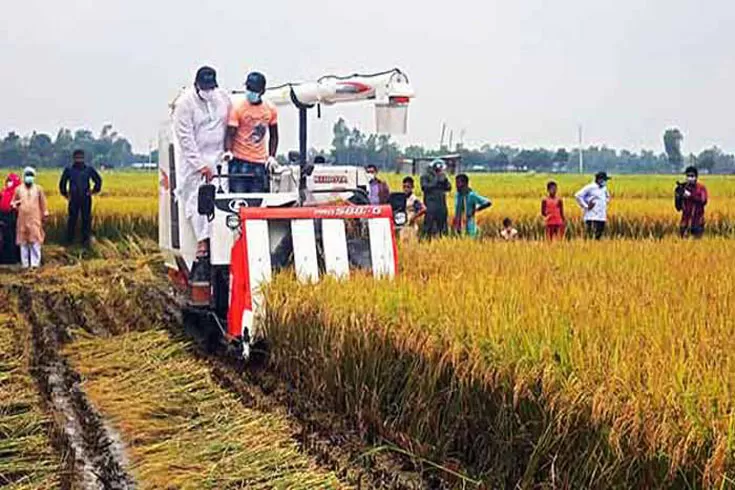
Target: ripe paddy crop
(642, 205)
(582, 364)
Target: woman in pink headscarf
(9, 251)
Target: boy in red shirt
(694, 196)
(552, 209)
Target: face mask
(691, 180)
(9, 184)
(206, 95)
(28, 179)
(602, 184)
(253, 97)
(371, 176)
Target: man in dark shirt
(435, 184)
(75, 187)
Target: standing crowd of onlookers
(593, 199)
(24, 211)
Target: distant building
(416, 166)
(144, 166)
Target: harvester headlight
(233, 221)
(400, 219)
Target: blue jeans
(255, 181)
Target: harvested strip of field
(27, 458)
(181, 428)
(582, 364)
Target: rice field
(576, 364)
(28, 460)
(642, 205)
(497, 365)
(183, 430)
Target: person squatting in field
(75, 187)
(552, 209)
(30, 202)
(9, 251)
(508, 233)
(594, 199)
(691, 201)
(467, 203)
(435, 185)
(415, 209)
(200, 125)
(252, 123)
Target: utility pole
(581, 152)
(441, 141)
(451, 137)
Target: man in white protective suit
(200, 125)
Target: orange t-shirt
(553, 211)
(252, 123)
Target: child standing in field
(414, 210)
(466, 205)
(552, 209)
(30, 201)
(508, 233)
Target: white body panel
(304, 250)
(259, 266)
(336, 260)
(381, 247)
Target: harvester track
(324, 436)
(113, 300)
(96, 455)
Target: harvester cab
(316, 220)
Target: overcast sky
(522, 72)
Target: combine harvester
(317, 219)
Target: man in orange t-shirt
(247, 153)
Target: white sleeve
(184, 130)
(581, 197)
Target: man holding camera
(435, 185)
(692, 197)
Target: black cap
(602, 176)
(255, 82)
(206, 78)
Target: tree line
(351, 146)
(108, 148)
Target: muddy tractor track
(96, 456)
(334, 444)
(56, 311)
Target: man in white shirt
(593, 199)
(200, 124)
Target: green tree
(672, 145)
(709, 159)
(40, 150)
(11, 151)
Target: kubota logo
(330, 179)
(236, 204)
